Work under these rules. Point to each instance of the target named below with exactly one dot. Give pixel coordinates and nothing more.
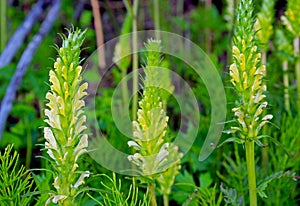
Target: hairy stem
(135, 58)
(3, 24)
(151, 188)
(124, 87)
(29, 144)
(285, 66)
(296, 52)
(265, 157)
(249, 146)
(208, 38)
(166, 200)
(156, 19)
(99, 33)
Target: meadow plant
(15, 182)
(64, 135)
(113, 194)
(247, 75)
(285, 53)
(291, 21)
(264, 26)
(156, 158)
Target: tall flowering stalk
(291, 21)
(247, 75)
(264, 26)
(154, 154)
(286, 51)
(65, 137)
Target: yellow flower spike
(67, 142)
(149, 131)
(247, 66)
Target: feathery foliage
(15, 181)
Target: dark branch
(17, 39)
(24, 63)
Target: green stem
(207, 31)
(3, 24)
(296, 53)
(238, 162)
(124, 87)
(249, 146)
(135, 59)
(286, 86)
(151, 189)
(29, 145)
(156, 19)
(166, 200)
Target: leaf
(275, 141)
(205, 180)
(230, 196)
(232, 139)
(262, 185)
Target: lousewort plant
(247, 75)
(291, 21)
(65, 137)
(156, 158)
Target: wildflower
(292, 16)
(264, 22)
(65, 138)
(247, 73)
(155, 157)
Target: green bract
(65, 138)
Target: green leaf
(232, 139)
(205, 180)
(262, 185)
(275, 141)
